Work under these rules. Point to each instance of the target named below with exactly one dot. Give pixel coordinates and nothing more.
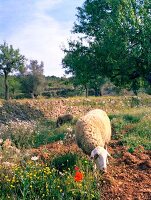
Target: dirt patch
(128, 176)
(53, 149)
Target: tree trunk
(86, 91)
(135, 87)
(6, 85)
(97, 92)
(32, 95)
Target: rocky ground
(129, 174)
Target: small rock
(145, 165)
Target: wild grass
(134, 128)
(40, 181)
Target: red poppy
(76, 168)
(78, 176)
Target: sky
(39, 28)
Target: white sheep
(93, 133)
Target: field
(40, 161)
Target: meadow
(40, 161)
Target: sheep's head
(99, 154)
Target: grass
(139, 135)
(133, 129)
(48, 133)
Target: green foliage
(131, 150)
(1, 86)
(80, 62)
(14, 86)
(33, 82)
(64, 162)
(76, 62)
(131, 119)
(139, 135)
(61, 87)
(10, 60)
(27, 134)
(135, 102)
(115, 43)
(41, 138)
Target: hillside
(52, 108)
(31, 125)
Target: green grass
(139, 135)
(48, 134)
(132, 129)
(131, 118)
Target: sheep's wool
(92, 130)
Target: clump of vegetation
(139, 135)
(36, 180)
(132, 129)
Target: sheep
(63, 119)
(93, 133)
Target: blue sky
(39, 28)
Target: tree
(33, 81)
(1, 86)
(14, 85)
(10, 60)
(119, 34)
(80, 61)
(76, 62)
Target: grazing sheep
(93, 133)
(63, 119)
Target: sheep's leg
(107, 160)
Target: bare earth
(129, 175)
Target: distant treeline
(52, 86)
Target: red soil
(128, 176)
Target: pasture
(41, 161)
